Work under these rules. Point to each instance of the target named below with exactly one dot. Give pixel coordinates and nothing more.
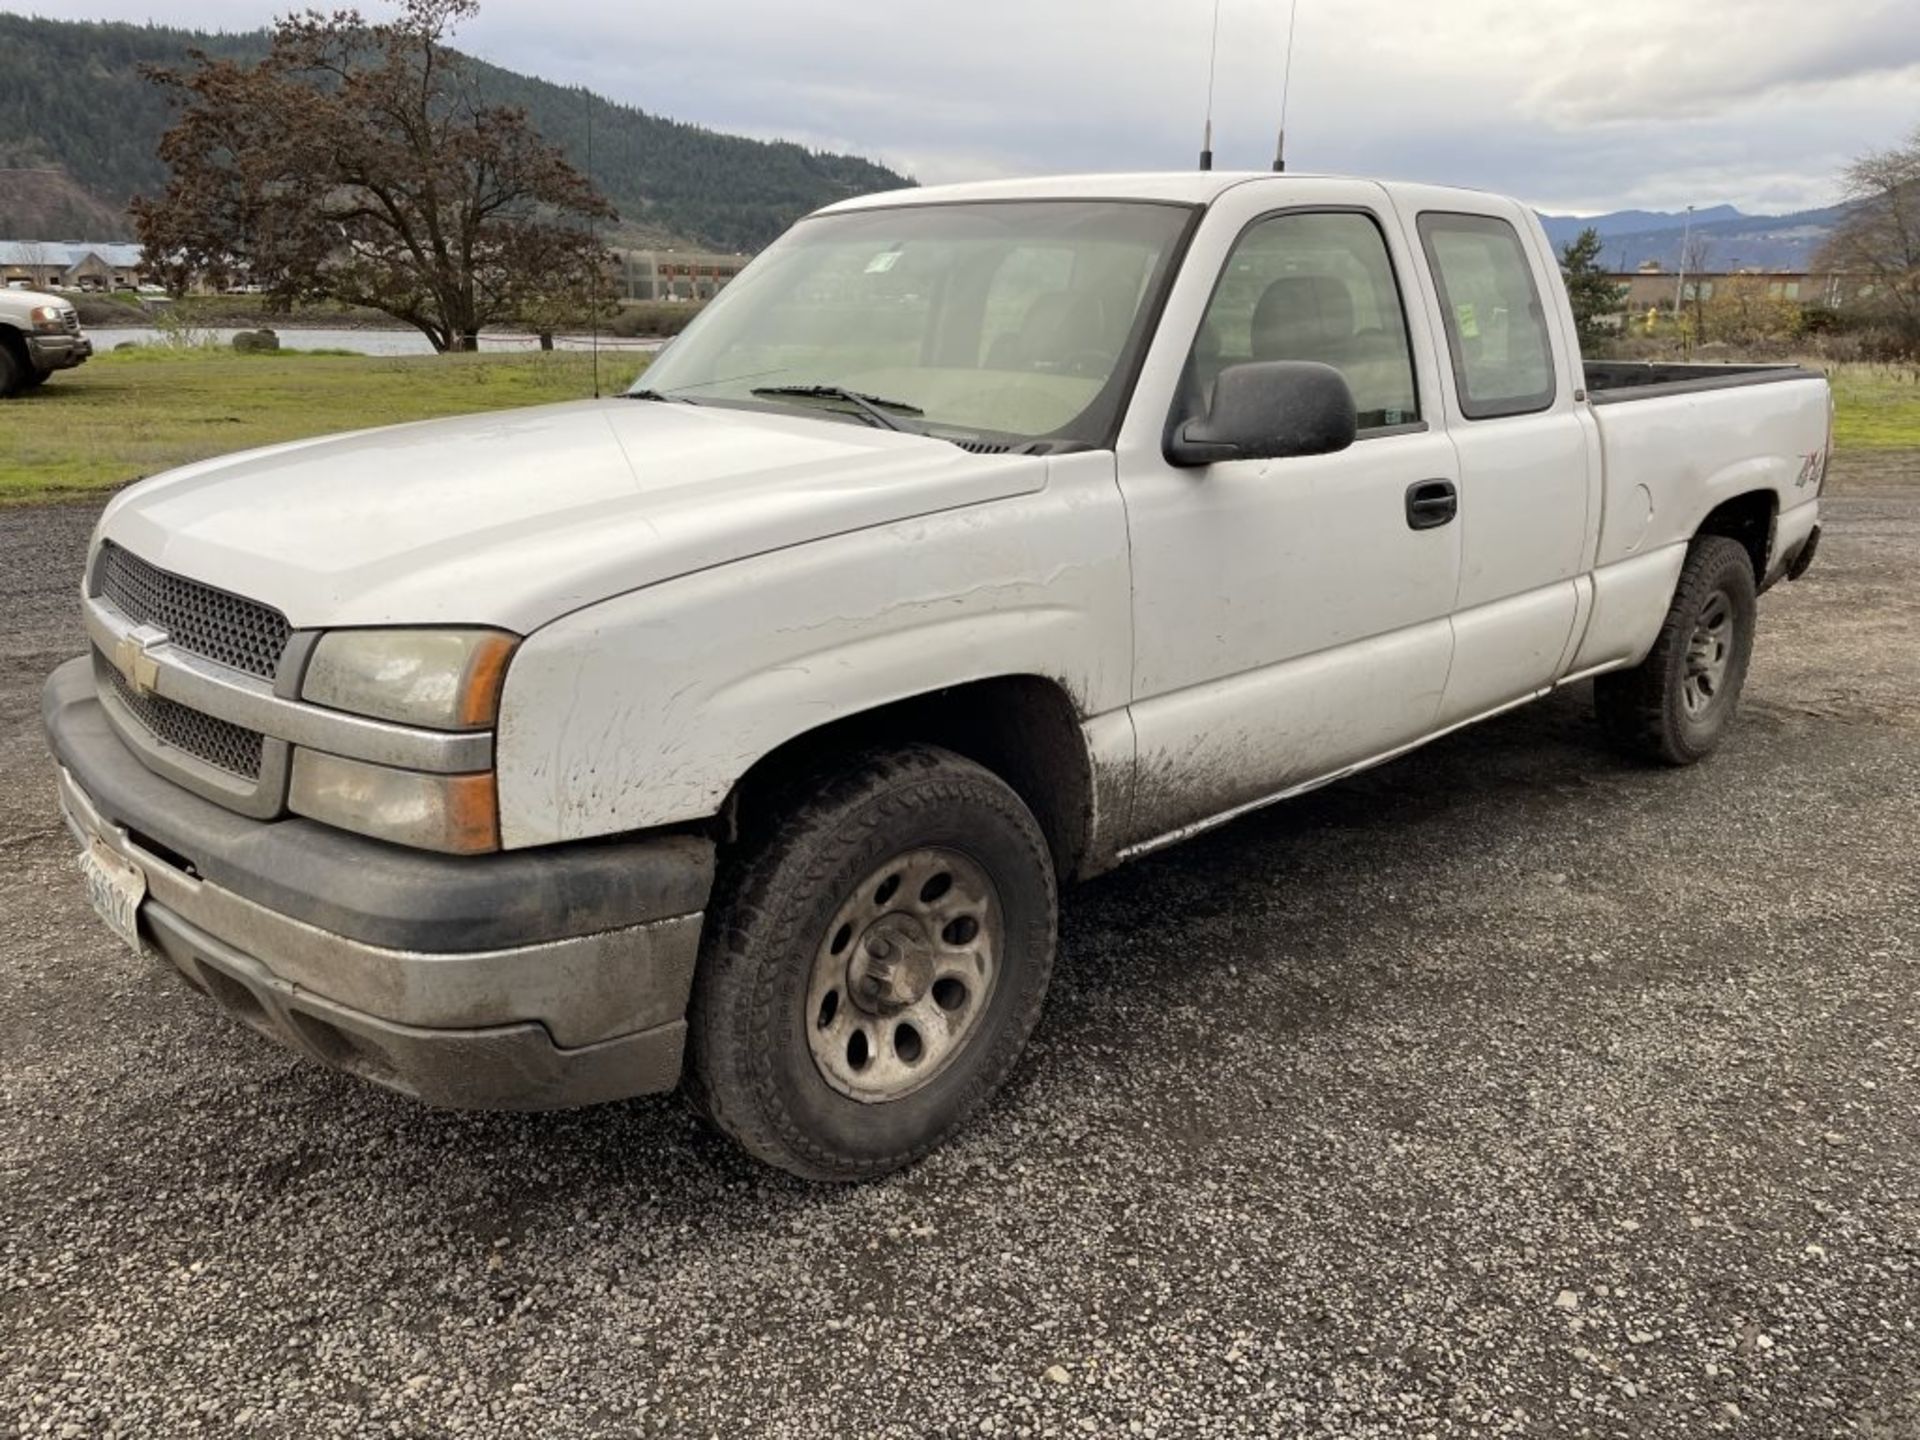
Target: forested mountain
(1721, 238)
(72, 98)
(1562, 228)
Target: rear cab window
(1497, 329)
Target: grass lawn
(1877, 407)
(132, 413)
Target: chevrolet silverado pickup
(736, 732)
(39, 334)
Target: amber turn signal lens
(479, 703)
(454, 814)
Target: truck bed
(1609, 382)
(1697, 435)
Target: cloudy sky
(1577, 105)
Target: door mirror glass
(1269, 410)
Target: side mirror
(1269, 410)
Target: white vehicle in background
(973, 539)
(39, 334)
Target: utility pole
(1680, 285)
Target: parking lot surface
(1508, 1089)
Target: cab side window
(1313, 285)
(1496, 325)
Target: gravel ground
(1506, 1090)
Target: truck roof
(1187, 187)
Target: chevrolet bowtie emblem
(132, 657)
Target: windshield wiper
(656, 395)
(874, 407)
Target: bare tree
(37, 258)
(1877, 246)
(1695, 259)
(1698, 256)
(357, 163)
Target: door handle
(1431, 503)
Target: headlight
(443, 679)
(49, 317)
(457, 814)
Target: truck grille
(241, 633)
(219, 743)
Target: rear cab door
(1529, 465)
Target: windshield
(1005, 322)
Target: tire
(1675, 706)
(823, 930)
(13, 368)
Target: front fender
(645, 709)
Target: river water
(366, 342)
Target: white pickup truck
(741, 727)
(39, 334)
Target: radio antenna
(593, 245)
(1286, 86)
(1213, 56)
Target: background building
(71, 264)
(676, 274)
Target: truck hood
(25, 300)
(516, 517)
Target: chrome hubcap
(903, 975)
(1708, 653)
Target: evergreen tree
(1593, 294)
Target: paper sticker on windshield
(883, 262)
(1468, 322)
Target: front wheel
(873, 966)
(1675, 706)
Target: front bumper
(58, 352)
(526, 980)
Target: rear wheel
(873, 966)
(1675, 706)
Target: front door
(1290, 616)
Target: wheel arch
(1747, 519)
(14, 341)
(1024, 728)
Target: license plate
(116, 887)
